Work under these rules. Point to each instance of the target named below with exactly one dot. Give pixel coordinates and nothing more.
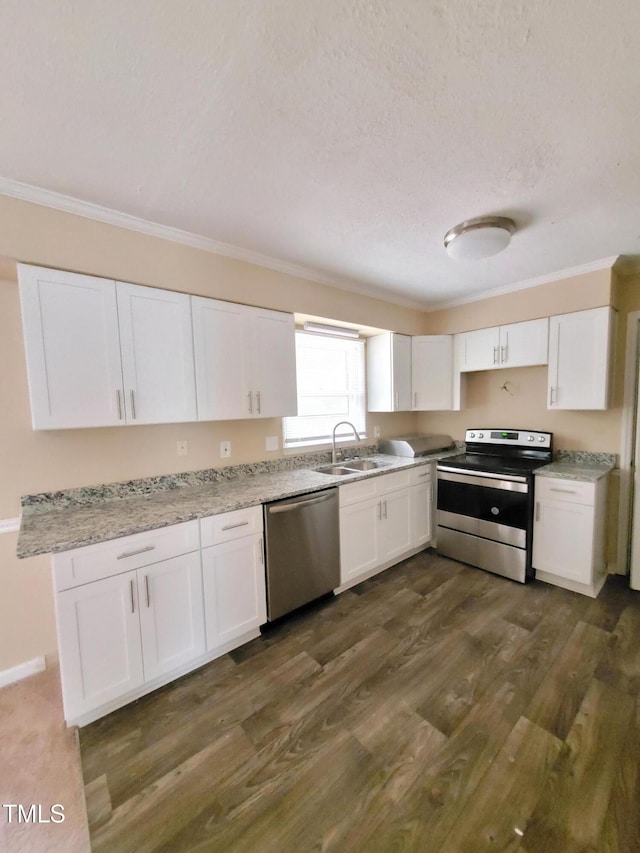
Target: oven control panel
(506, 437)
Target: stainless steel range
(485, 500)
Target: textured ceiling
(345, 137)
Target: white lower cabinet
(568, 534)
(99, 643)
(171, 614)
(421, 506)
(131, 611)
(234, 589)
(382, 521)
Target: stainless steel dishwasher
(303, 550)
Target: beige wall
(43, 461)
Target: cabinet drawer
(230, 525)
(391, 482)
(82, 565)
(572, 491)
(421, 474)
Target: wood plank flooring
(433, 708)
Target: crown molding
(548, 278)
(89, 210)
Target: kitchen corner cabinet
(432, 372)
(105, 353)
(569, 535)
(580, 347)
(244, 361)
(389, 373)
(515, 345)
(235, 600)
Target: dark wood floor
(435, 707)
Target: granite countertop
(62, 521)
(579, 465)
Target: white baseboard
(22, 670)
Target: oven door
(483, 505)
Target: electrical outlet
(271, 442)
(376, 432)
(183, 447)
(225, 449)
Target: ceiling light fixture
(479, 238)
(340, 331)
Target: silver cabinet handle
(250, 396)
(385, 509)
(138, 551)
(415, 399)
(233, 526)
(118, 398)
(503, 354)
(564, 491)
(258, 401)
(552, 395)
(273, 510)
(537, 510)
(428, 474)
(133, 602)
(146, 590)
(379, 510)
(396, 401)
(495, 355)
(133, 405)
(261, 551)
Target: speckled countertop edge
(582, 465)
(50, 527)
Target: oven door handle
(509, 483)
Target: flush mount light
(479, 238)
(340, 331)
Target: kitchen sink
(363, 464)
(351, 466)
(338, 470)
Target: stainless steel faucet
(334, 457)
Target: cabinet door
(273, 363)
(157, 355)
(171, 614)
(72, 349)
(100, 648)
(222, 359)
(394, 529)
(358, 538)
(524, 344)
(563, 540)
(579, 359)
(421, 514)
(432, 372)
(389, 373)
(234, 589)
(480, 350)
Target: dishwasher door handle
(289, 507)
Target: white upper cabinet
(515, 345)
(157, 355)
(101, 353)
(72, 345)
(432, 372)
(245, 361)
(389, 373)
(579, 359)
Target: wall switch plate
(271, 442)
(225, 449)
(376, 432)
(183, 447)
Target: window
(331, 388)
